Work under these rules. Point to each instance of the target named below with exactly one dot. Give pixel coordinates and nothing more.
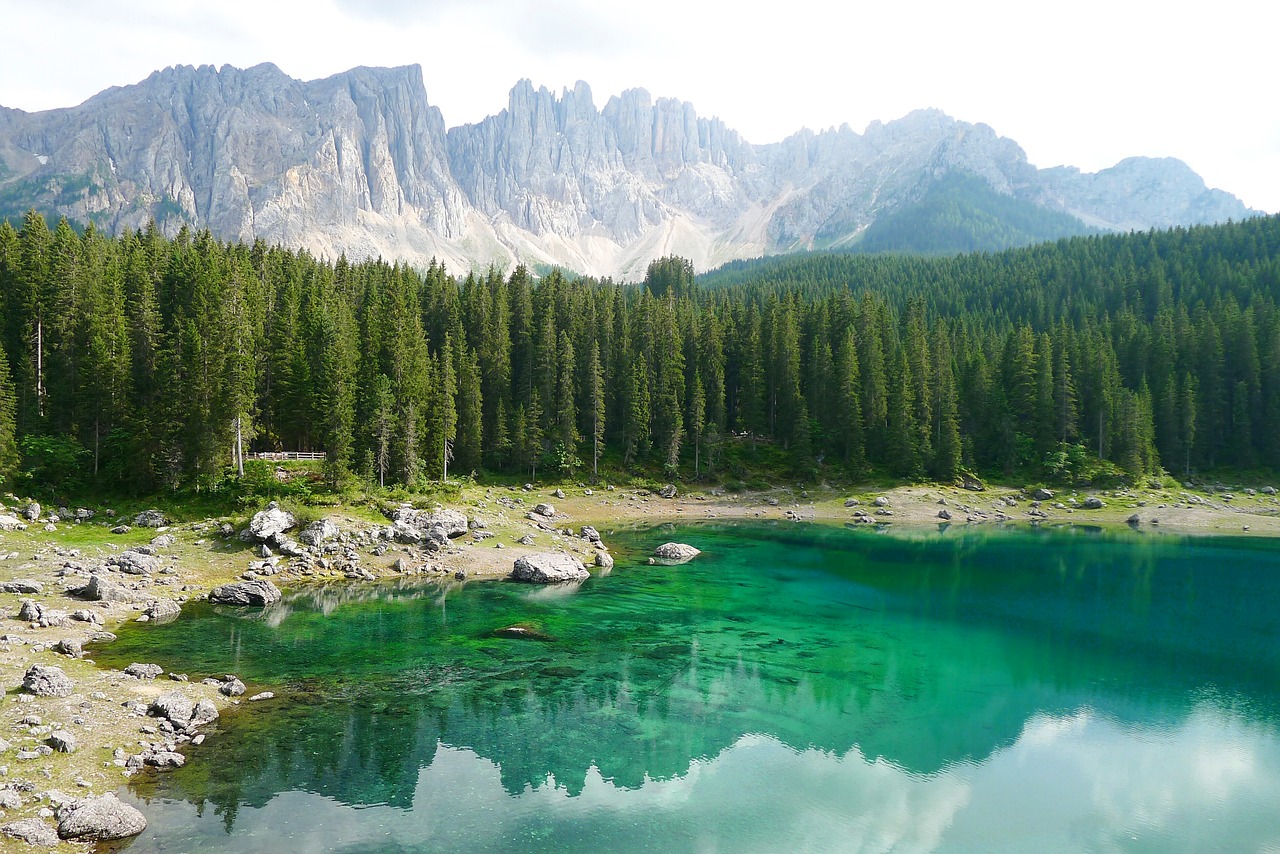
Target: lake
(795, 688)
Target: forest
(143, 362)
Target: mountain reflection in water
(794, 688)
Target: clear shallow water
(795, 688)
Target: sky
(1085, 83)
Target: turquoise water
(797, 688)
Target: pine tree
(470, 408)
(595, 402)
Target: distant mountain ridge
(360, 163)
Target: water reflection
(797, 690)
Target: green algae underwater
(795, 688)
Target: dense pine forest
(141, 362)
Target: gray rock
(944, 514)
(121, 529)
(150, 519)
(22, 587)
(590, 533)
(232, 688)
(174, 706)
(205, 712)
(1042, 494)
(267, 524)
(102, 818)
(544, 509)
(318, 532)
(265, 695)
(62, 741)
(1093, 502)
(11, 523)
(32, 511)
(46, 681)
(163, 611)
(259, 591)
(881, 501)
(144, 671)
(1135, 519)
(973, 484)
(69, 646)
(164, 541)
(558, 495)
(32, 831)
(526, 540)
(851, 502)
(548, 568)
(164, 759)
(1268, 490)
(100, 589)
(135, 562)
(604, 560)
(668, 491)
(675, 553)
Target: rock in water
(103, 818)
(268, 524)
(32, 831)
(256, 592)
(143, 671)
(604, 560)
(549, 568)
(163, 611)
(46, 681)
(674, 553)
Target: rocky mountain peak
(361, 163)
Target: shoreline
(101, 712)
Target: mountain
(360, 163)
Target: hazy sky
(1084, 83)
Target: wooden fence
(281, 456)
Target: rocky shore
(71, 732)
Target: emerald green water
(796, 688)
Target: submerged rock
(163, 611)
(675, 553)
(103, 818)
(256, 592)
(549, 568)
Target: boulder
(100, 589)
(1093, 502)
(1268, 490)
(668, 491)
(174, 706)
(1134, 520)
(544, 509)
(231, 688)
(973, 484)
(11, 523)
(22, 587)
(674, 553)
(32, 831)
(590, 533)
(135, 562)
(944, 514)
(267, 524)
(32, 511)
(164, 759)
(62, 741)
(103, 818)
(144, 671)
(259, 591)
(205, 712)
(558, 495)
(121, 529)
(150, 519)
(1042, 494)
(317, 532)
(548, 568)
(881, 501)
(452, 522)
(46, 681)
(164, 541)
(604, 560)
(69, 646)
(851, 502)
(163, 611)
